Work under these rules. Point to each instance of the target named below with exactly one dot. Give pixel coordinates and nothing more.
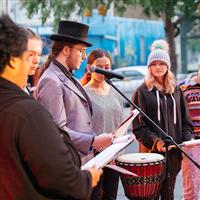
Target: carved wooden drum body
(150, 170)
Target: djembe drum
(150, 170)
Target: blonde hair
(168, 85)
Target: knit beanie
(159, 52)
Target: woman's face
(103, 63)
(24, 63)
(158, 69)
(36, 50)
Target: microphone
(107, 73)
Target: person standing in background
(164, 103)
(36, 50)
(107, 115)
(35, 163)
(62, 95)
(190, 173)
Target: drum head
(140, 158)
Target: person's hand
(160, 146)
(102, 141)
(96, 174)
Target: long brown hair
(95, 54)
(57, 47)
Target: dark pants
(107, 187)
(167, 189)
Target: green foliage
(63, 8)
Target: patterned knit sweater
(191, 90)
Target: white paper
(123, 138)
(191, 143)
(187, 143)
(123, 127)
(121, 170)
(107, 155)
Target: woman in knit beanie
(165, 104)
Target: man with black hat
(62, 95)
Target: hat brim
(59, 37)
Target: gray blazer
(68, 106)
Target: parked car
(134, 76)
(181, 76)
(192, 75)
(189, 77)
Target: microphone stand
(167, 139)
(146, 116)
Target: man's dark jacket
(35, 163)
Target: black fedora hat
(71, 31)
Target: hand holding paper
(95, 173)
(102, 141)
(108, 154)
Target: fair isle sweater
(107, 110)
(191, 90)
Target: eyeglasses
(82, 51)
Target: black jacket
(35, 163)
(148, 134)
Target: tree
(166, 9)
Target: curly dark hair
(13, 41)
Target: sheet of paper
(121, 170)
(123, 138)
(107, 155)
(123, 127)
(187, 144)
(191, 143)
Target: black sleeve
(49, 160)
(140, 126)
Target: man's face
(35, 51)
(76, 57)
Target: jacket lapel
(66, 81)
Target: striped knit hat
(159, 52)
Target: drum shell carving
(148, 182)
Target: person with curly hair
(35, 162)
